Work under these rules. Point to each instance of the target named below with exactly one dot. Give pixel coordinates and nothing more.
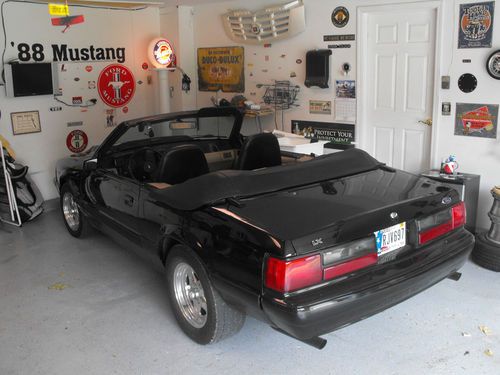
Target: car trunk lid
(320, 215)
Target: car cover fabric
(217, 186)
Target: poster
(221, 68)
(345, 88)
(476, 120)
(336, 133)
(476, 25)
(320, 107)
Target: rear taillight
(436, 225)
(288, 276)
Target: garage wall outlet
(446, 108)
(445, 82)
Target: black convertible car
(305, 244)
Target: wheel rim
(190, 295)
(70, 210)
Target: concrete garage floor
(113, 318)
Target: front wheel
(199, 309)
(75, 222)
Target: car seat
(259, 151)
(180, 164)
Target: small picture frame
(25, 122)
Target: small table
(257, 114)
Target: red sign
(477, 120)
(88, 68)
(125, 109)
(145, 66)
(116, 85)
(77, 141)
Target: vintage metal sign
(476, 25)
(476, 120)
(338, 134)
(116, 85)
(221, 68)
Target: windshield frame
(122, 128)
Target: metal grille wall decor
(265, 25)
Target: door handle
(129, 200)
(427, 122)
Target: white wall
(31, 23)
(475, 155)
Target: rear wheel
(75, 221)
(199, 309)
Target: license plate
(390, 239)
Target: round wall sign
(77, 141)
(467, 82)
(116, 85)
(493, 64)
(161, 53)
(340, 16)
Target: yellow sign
(58, 9)
(221, 68)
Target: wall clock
(467, 82)
(493, 64)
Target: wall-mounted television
(30, 79)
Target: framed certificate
(25, 122)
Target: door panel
(384, 144)
(117, 201)
(386, 80)
(399, 71)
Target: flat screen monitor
(28, 79)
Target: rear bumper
(325, 310)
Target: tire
(76, 223)
(486, 253)
(206, 318)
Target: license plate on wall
(390, 239)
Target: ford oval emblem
(394, 215)
(446, 200)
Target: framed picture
(476, 120)
(25, 122)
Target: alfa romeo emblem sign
(116, 85)
(77, 141)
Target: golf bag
(27, 196)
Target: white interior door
(398, 67)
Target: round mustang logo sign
(116, 85)
(77, 141)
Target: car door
(116, 200)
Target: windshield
(205, 127)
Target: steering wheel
(143, 163)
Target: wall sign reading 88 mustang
(116, 85)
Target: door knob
(427, 122)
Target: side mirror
(90, 165)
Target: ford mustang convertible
(306, 244)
